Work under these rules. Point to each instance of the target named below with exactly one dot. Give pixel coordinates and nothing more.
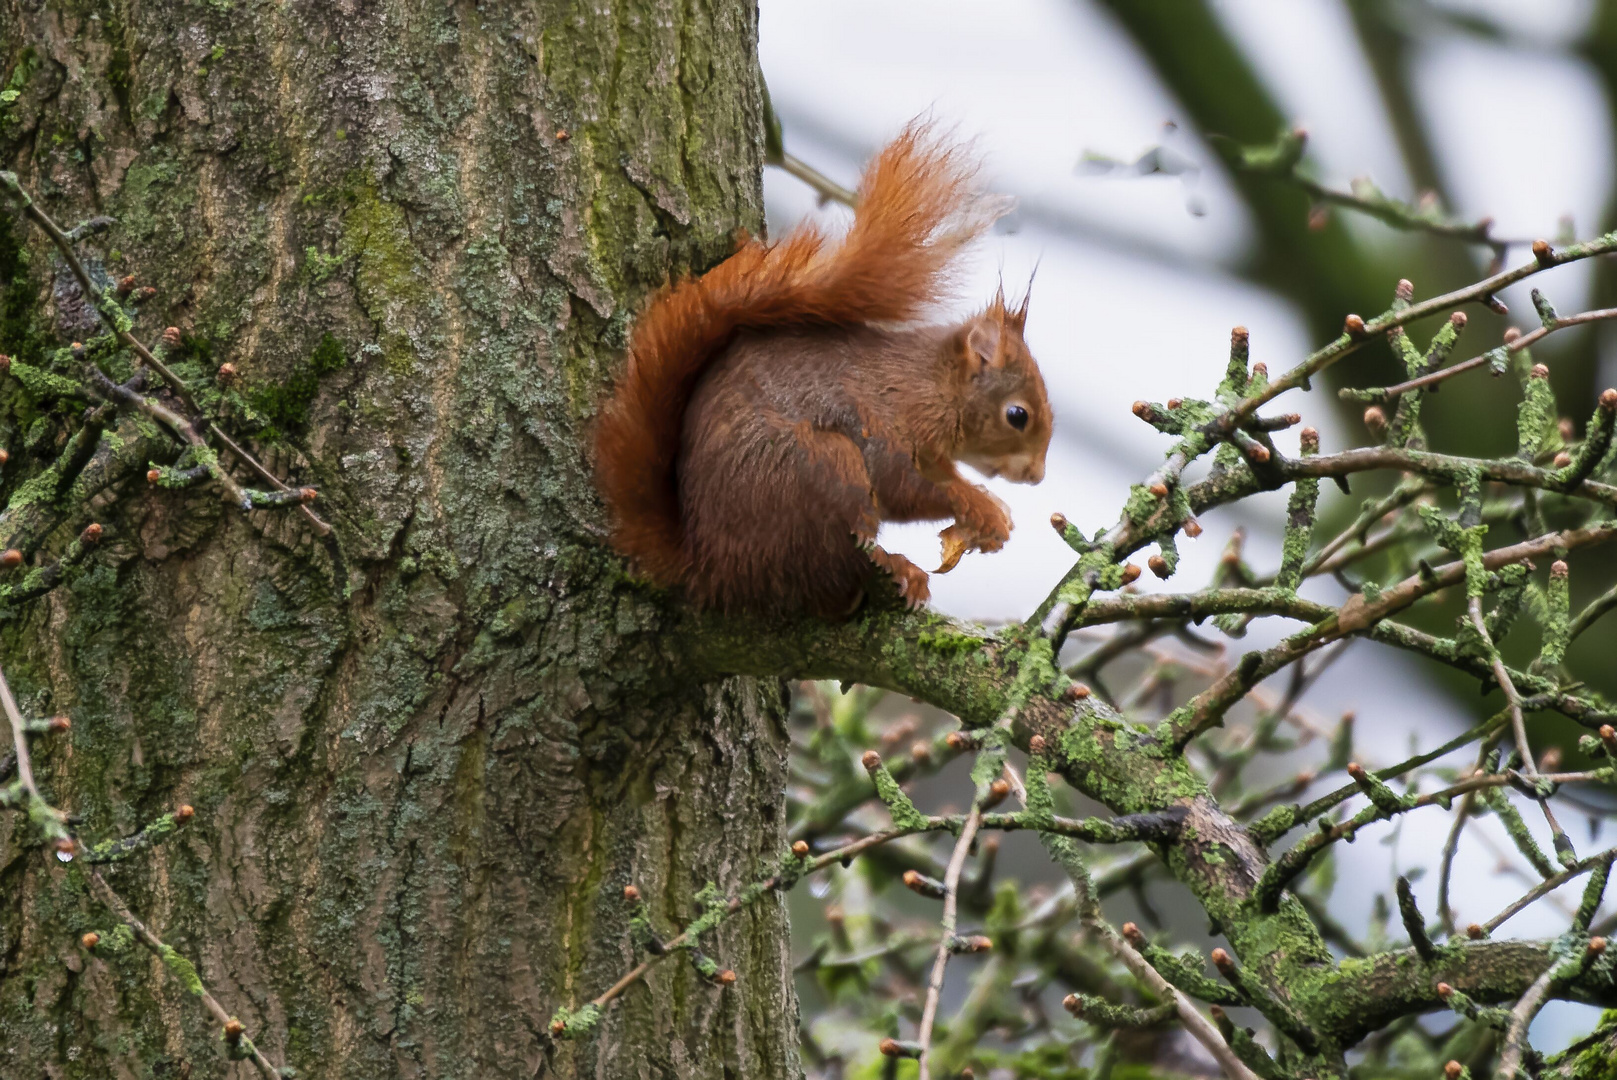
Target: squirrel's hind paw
(910, 579)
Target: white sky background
(1132, 299)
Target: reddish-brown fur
(770, 416)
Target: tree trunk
(428, 752)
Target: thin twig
(1518, 723)
(1547, 886)
(167, 955)
(1526, 340)
(98, 300)
(951, 900)
(829, 190)
(1521, 1017)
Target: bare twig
(232, 1027)
(946, 943)
(1518, 724)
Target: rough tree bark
(428, 753)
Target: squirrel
(775, 410)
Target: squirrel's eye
(1016, 416)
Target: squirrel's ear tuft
(982, 343)
(1018, 318)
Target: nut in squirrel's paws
(960, 538)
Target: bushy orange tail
(917, 210)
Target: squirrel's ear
(982, 343)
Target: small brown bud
(974, 943)
(77, 346)
(1558, 569)
(1511, 334)
(1159, 490)
(1035, 745)
(1597, 945)
(1355, 770)
(1608, 736)
(921, 752)
(1550, 760)
(233, 1029)
(557, 1027)
(1404, 290)
(90, 940)
(1375, 420)
(997, 791)
(1132, 934)
(1142, 409)
(1260, 370)
(5, 456)
(171, 337)
(1308, 438)
(1238, 335)
(1159, 566)
(918, 883)
(1058, 521)
(562, 135)
(125, 284)
(185, 813)
(1222, 960)
(1539, 372)
(1191, 528)
(1077, 691)
(957, 741)
(60, 724)
(727, 977)
(1562, 460)
(153, 475)
(1475, 932)
(1445, 991)
(1608, 401)
(227, 373)
(1130, 573)
(91, 533)
(1073, 1004)
(1458, 320)
(870, 760)
(1353, 326)
(10, 558)
(1452, 1070)
(800, 848)
(307, 494)
(1543, 253)
(1174, 403)
(1319, 216)
(631, 893)
(892, 1048)
(1258, 453)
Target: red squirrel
(774, 411)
